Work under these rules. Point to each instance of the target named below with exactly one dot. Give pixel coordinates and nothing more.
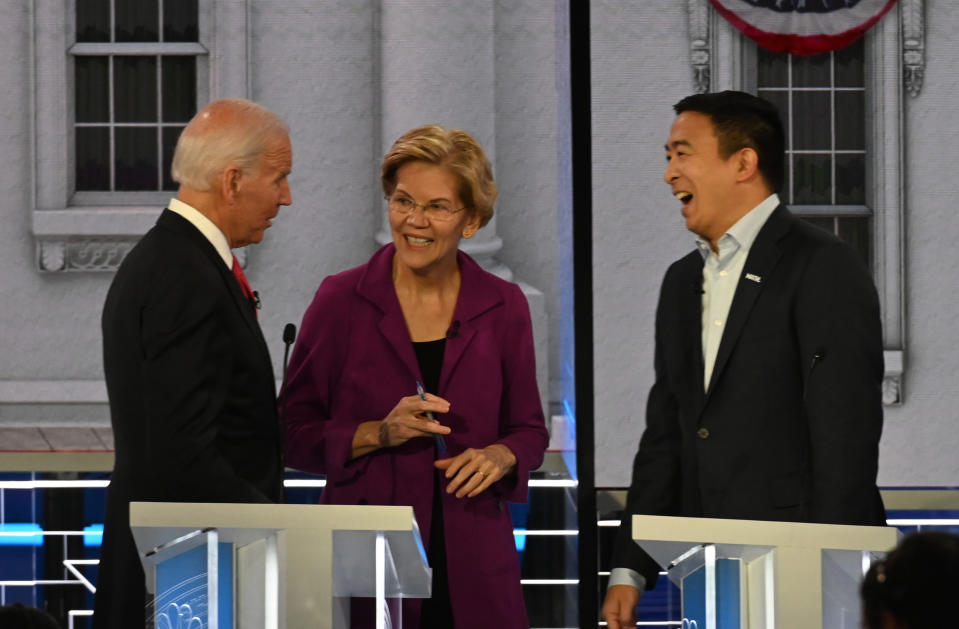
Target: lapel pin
(754, 278)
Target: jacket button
(703, 433)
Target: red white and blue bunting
(803, 27)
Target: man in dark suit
(766, 403)
(189, 376)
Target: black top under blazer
(789, 426)
(192, 397)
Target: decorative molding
(83, 254)
(911, 13)
(53, 392)
(911, 16)
(95, 253)
(892, 390)
(892, 379)
(93, 231)
(699, 47)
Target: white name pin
(754, 278)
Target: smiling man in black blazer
(189, 376)
(767, 398)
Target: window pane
(93, 20)
(825, 223)
(92, 91)
(179, 88)
(170, 136)
(812, 180)
(136, 158)
(93, 158)
(849, 65)
(850, 122)
(811, 71)
(180, 20)
(135, 89)
(137, 20)
(780, 100)
(772, 69)
(810, 123)
(855, 231)
(851, 179)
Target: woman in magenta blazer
(420, 311)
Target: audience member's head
(20, 616)
(915, 585)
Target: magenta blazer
(352, 363)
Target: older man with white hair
(189, 376)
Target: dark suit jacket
(789, 426)
(192, 397)
(354, 361)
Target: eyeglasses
(439, 211)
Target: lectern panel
(183, 589)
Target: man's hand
(620, 606)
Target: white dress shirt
(721, 273)
(206, 227)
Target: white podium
(764, 575)
(275, 566)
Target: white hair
(228, 132)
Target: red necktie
(245, 285)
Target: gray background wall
(920, 443)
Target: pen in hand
(440, 442)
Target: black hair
(20, 616)
(741, 120)
(916, 583)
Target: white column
(437, 67)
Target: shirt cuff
(625, 576)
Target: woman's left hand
(473, 471)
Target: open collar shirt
(721, 272)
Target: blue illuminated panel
(21, 534)
(93, 535)
(728, 604)
(182, 599)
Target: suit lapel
(376, 285)
(173, 221)
(476, 297)
(762, 259)
(690, 317)
(242, 303)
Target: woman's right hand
(408, 420)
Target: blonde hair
(227, 132)
(453, 149)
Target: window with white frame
(115, 81)
(822, 102)
(844, 114)
(135, 73)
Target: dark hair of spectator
(20, 616)
(916, 584)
